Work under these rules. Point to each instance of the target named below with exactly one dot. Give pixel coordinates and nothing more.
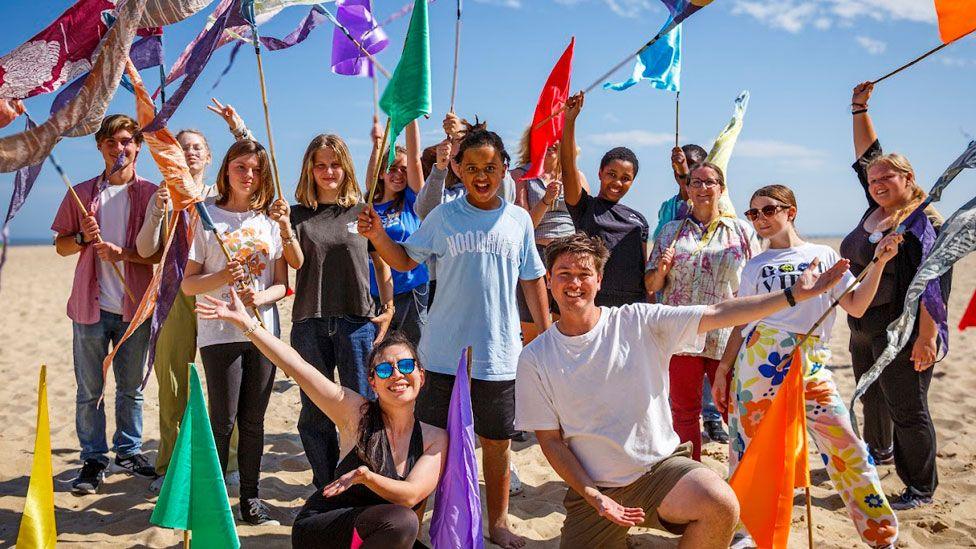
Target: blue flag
(659, 65)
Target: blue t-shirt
(481, 255)
(400, 225)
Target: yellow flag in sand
(37, 528)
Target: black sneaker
(255, 512)
(91, 476)
(910, 499)
(136, 464)
(716, 432)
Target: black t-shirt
(624, 231)
(334, 279)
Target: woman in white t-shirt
(757, 351)
(239, 377)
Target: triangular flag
(957, 18)
(37, 527)
(553, 97)
(407, 96)
(724, 144)
(775, 463)
(193, 496)
(457, 502)
(969, 317)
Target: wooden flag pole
(240, 285)
(267, 112)
(186, 539)
(809, 512)
(376, 93)
(677, 117)
(470, 356)
(84, 210)
(379, 163)
(910, 63)
(457, 54)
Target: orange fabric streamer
(775, 463)
(957, 18)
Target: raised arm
(568, 467)
(572, 187)
(415, 170)
(743, 310)
(340, 404)
(858, 301)
(432, 192)
(371, 226)
(864, 134)
(234, 121)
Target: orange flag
(775, 463)
(957, 18)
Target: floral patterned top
(708, 262)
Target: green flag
(193, 496)
(407, 96)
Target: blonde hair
(262, 197)
(349, 191)
(525, 152)
(900, 164)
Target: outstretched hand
(346, 481)
(811, 284)
(617, 513)
(217, 309)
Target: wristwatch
(80, 239)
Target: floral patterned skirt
(757, 377)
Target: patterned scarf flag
(355, 16)
(775, 463)
(658, 65)
(37, 526)
(9, 110)
(184, 192)
(724, 144)
(681, 10)
(553, 97)
(407, 95)
(23, 183)
(456, 521)
(957, 18)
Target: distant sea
(31, 241)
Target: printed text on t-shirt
(491, 242)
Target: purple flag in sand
(23, 182)
(457, 502)
(347, 58)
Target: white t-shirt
(779, 268)
(251, 236)
(113, 218)
(607, 390)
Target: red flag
(969, 317)
(552, 98)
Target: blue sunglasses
(406, 366)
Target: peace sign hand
(226, 112)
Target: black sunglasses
(767, 211)
(406, 366)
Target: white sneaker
(157, 484)
(232, 478)
(742, 541)
(514, 482)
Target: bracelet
(789, 297)
(862, 105)
(548, 204)
(859, 111)
(288, 240)
(250, 330)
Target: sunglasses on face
(767, 211)
(406, 366)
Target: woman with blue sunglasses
(390, 462)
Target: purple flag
(457, 501)
(347, 58)
(23, 182)
(168, 287)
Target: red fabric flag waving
(552, 98)
(969, 317)
(775, 463)
(957, 18)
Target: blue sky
(798, 58)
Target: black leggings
(896, 407)
(385, 526)
(239, 382)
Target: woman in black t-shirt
(897, 424)
(334, 322)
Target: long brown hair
(381, 180)
(371, 420)
(349, 192)
(262, 197)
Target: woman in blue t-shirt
(396, 194)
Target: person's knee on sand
(705, 506)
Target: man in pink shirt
(102, 304)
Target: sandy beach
(36, 283)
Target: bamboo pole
(457, 54)
(379, 163)
(267, 112)
(912, 62)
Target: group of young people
(621, 326)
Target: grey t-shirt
(334, 280)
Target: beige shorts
(584, 528)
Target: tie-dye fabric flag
(658, 65)
(10, 109)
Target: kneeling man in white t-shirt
(594, 388)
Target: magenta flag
(355, 16)
(457, 501)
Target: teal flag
(658, 65)
(407, 96)
(193, 496)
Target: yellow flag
(37, 528)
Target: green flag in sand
(193, 496)
(407, 96)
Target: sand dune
(36, 331)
